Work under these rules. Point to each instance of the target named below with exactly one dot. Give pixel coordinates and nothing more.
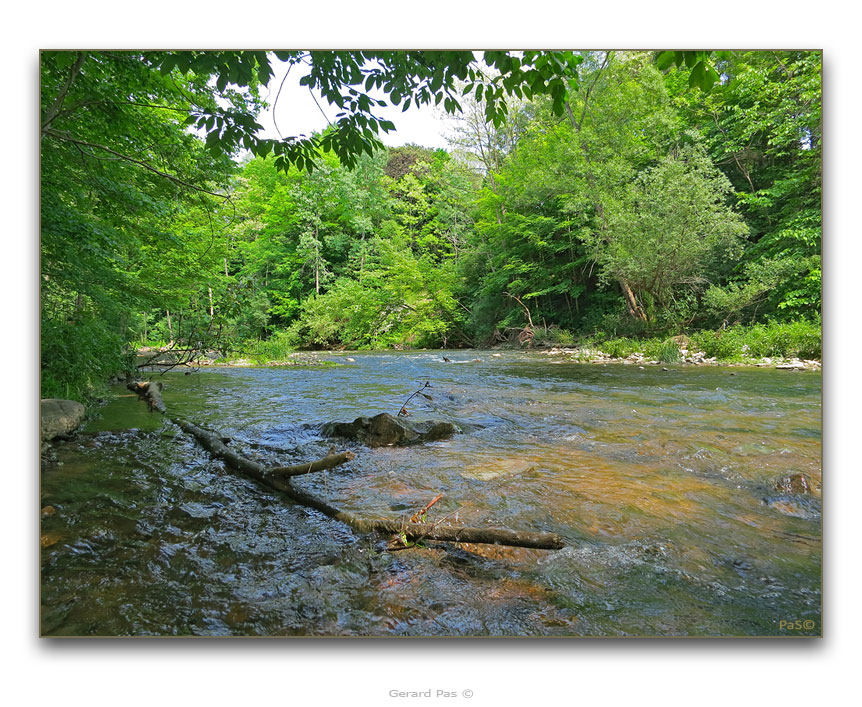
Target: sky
(296, 112)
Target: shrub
(801, 339)
(275, 348)
(620, 348)
(667, 352)
(724, 344)
(78, 357)
(556, 336)
(775, 339)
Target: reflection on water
(663, 482)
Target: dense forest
(608, 196)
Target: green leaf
(711, 78)
(698, 76)
(664, 60)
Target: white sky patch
(297, 113)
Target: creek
(662, 482)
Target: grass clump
(724, 344)
(800, 339)
(619, 348)
(276, 348)
(667, 351)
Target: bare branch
(54, 110)
(68, 138)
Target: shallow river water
(661, 482)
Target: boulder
(794, 483)
(794, 365)
(384, 430)
(59, 417)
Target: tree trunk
(316, 264)
(631, 302)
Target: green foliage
(670, 231)
(775, 339)
(277, 347)
(346, 79)
(724, 344)
(761, 283)
(703, 75)
(762, 124)
(130, 210)
(665, 352)
(79, 356)
(555, 336)
(800, 338)
(731, 344)
(402, 301)
(617, 348)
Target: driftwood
(330, 460)
(279, 478)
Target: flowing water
(661, 482)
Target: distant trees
(652, 206)
(383, 267)
(586, 191)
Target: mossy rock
(384, 430)
(59, 417)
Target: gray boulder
(59, 417)
(384, 430)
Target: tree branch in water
(279, 478)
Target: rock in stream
(384, 430)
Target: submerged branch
(330, 460)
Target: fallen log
(151, 392)
(279, 478)
(412, 531)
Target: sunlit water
(662, 482)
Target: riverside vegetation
(592, 200)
